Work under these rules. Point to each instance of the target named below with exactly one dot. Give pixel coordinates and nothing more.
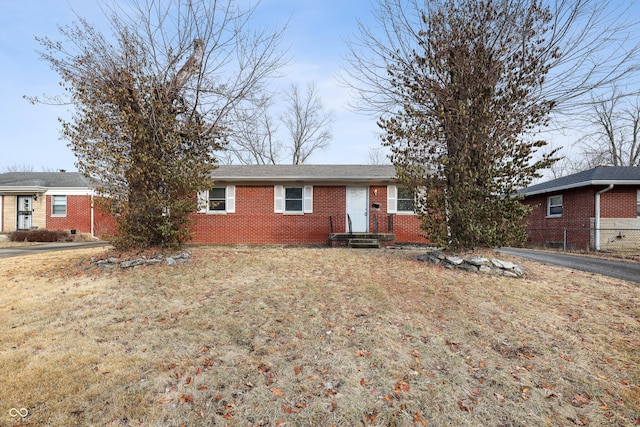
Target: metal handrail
(375, 224)
(338, 224)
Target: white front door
(358, 209)
(25, 209)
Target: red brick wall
(78, 215)
(254, 221)
(105, 225)
(406, 227)
(577, 211)
(620, 202)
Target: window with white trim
(220, 199)
(406, 201)
(554, 206)
(400, 200)
(293, 199)
(58, 205)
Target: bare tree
(377, 156)
(615, 131)
(308, 126)
(462, 89)
(27, 168)
(17, 168)
(254, 137)
(590, 44)
(257, 140)
(153, 102)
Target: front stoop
(364, 243)
(361, 240)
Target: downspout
(597, 225)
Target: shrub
(39, 236)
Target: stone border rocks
(476, 264)
(113, 263)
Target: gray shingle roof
(601, 175)
(308, 173)
(43, 180)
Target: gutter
(578, 185)
(597, 225)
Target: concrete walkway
(619, 269)
(47, 247)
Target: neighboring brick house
(597, 209)
(249, 204)
(50, 200)
(304, 204)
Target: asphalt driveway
(620, 270)
(47, 247)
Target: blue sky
(315, 40)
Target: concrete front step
(364, 243)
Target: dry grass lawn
(313, 337)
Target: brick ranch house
(249, 204)
(305, 204)
(597, 209)
(49, 200)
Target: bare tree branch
(592, 45)
(309, 128)
(612, 131)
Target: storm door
(358, 209)
(25, 209)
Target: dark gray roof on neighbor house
(306, 173)
(601, 175)
(41, 181)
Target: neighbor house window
(58, 205)
(220, 199)
(638, 203)
(295, 200)
(554, 206)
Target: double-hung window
(406, 201)
(400, 200)
(220, 200)
(293, 199)
(58, 205)
(554, 206)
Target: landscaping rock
(113, 262)
(131, 263)
(431, 258)
(454, 260)
(478, 261)
(475, 264)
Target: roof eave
(314, 179)
(14, 189)
(581, 184)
